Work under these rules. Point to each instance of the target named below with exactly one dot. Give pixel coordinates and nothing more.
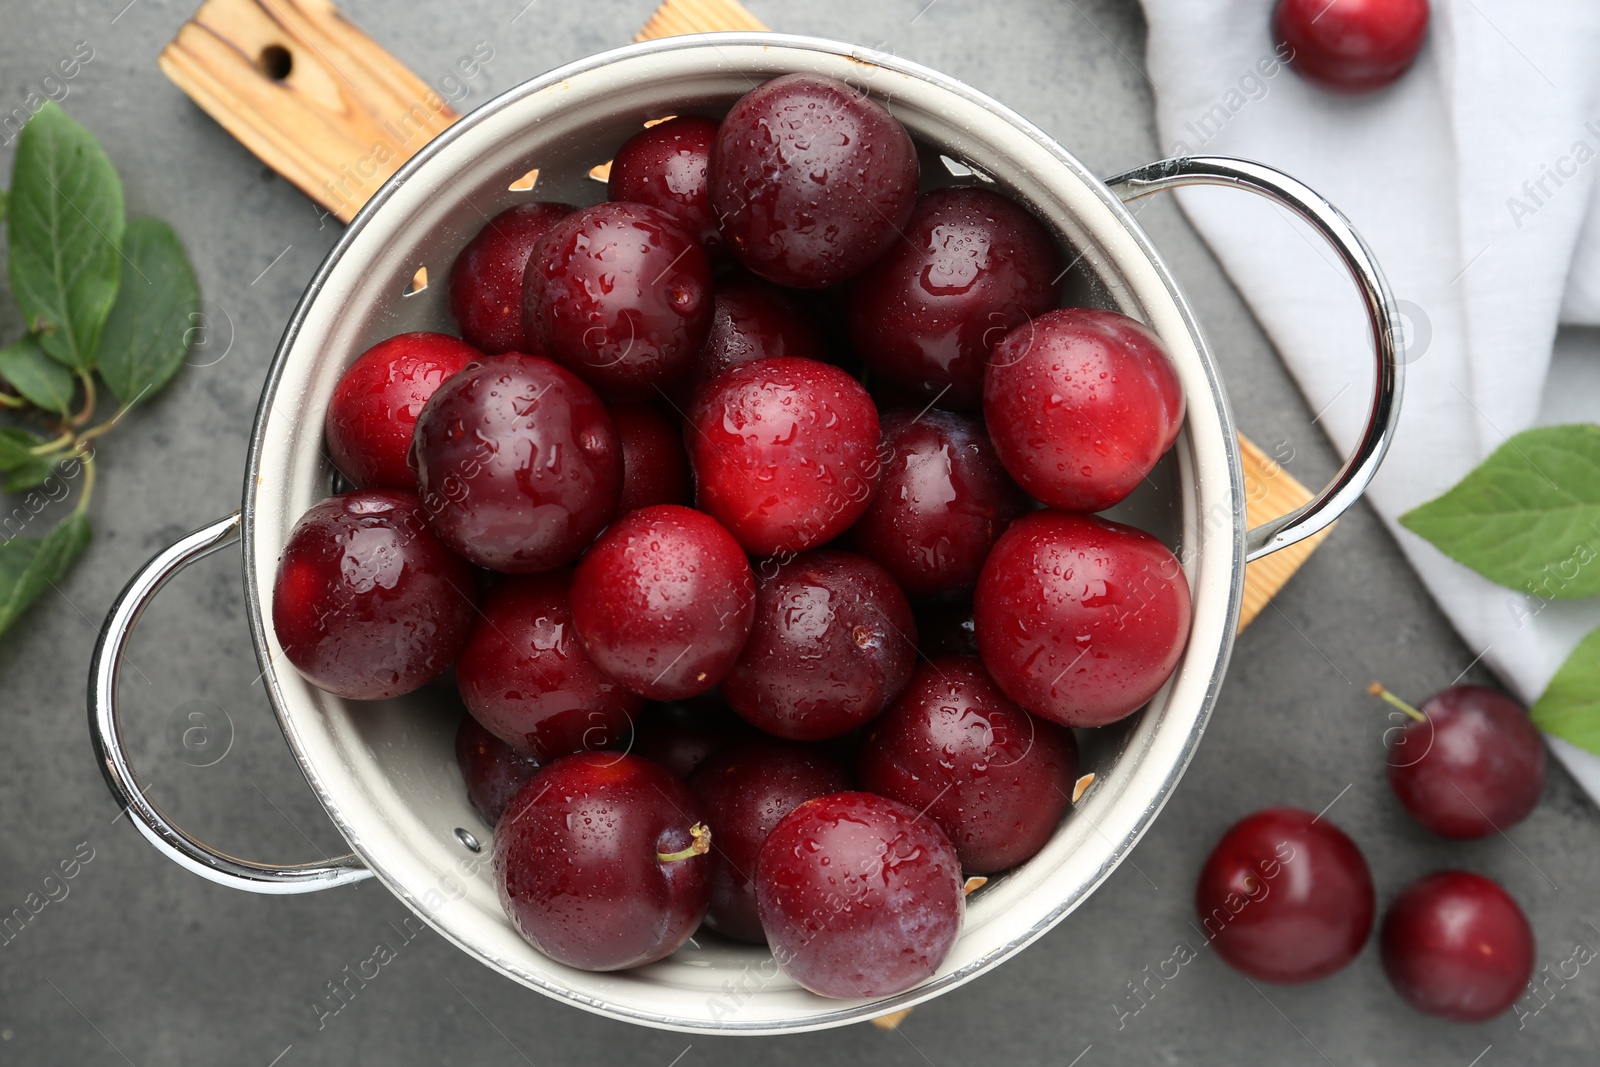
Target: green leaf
(40, 379)
(21, 467)
(30, 565)
(3, 202)
(1570, 707)
(15, 447)
(147, 335)
(30, 474)
(1528, 517)
(65, 223)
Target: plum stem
(110, 424)
(1377, 690)
(88, 401)
(86, 457)
(699, 846)
(57, 445)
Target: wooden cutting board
(325, 106)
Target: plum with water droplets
(601, 862)
(942, 502)
(860, 896)
(746, 789)
(518, 464)
(752, 320)
(375, 406)
(367, 603)
(785, 452)
(973, 265)
(663, 601)
(665, 167)
(492, 769)
(833, 643)
(1081, 403)
(524, 675)
(619, 294)
(1079, 619)
(486, 278)
(995, 779)
(812, 180)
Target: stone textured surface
(144, 963)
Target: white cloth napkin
(1473, 179)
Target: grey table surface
(141, 962)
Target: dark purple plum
(833, 643)
(491, 768)
(367, 603)
(811, 180)
(486, 278)
(995, 779)
(859, 895)
(518, 464)
(942, 502)
(745, 790)
(619, 294)
(525, 677)
(600, 862)
(974, 264)
(664, 166)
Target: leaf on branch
(147, 334)
(16, 448)
(21, 467)
(38, 378)
(25, 477)
(65, 224)
(30, 565)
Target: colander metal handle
(105, 728)
(1387, 331)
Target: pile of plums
(1286, 896)
(754, 510)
